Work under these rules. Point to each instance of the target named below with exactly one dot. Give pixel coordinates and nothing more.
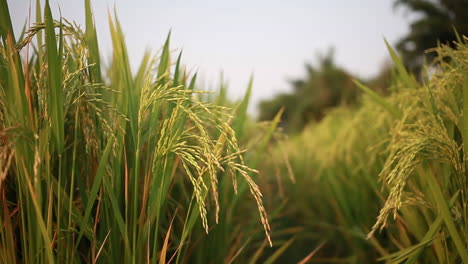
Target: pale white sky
(271, 38)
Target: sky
(270, 39)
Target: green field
(99, 165)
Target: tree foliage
(437, 22)
(323, 87)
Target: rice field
(99, 165)
(386, 181)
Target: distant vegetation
(437, 22)
(327, 85)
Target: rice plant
(105, 167)
(386, 180)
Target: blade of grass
(94, 189)
(40, 221)
(92, 41)
(279, 252)
(8, 37)
(162, 256)
(54, 63)
(241, 113)
(445, 212)
(407, 78)
(380, 100)
(164, 62)
(432, 231)
(465, 117)
(311, 254)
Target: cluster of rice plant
(99, 165)
(400, 158)
(105, 168)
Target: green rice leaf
(92, 197)
(407, 78)
(92, 41)
(378, 99)
(54, 63)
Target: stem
(445, 212)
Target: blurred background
(270, 39)
(283, 44)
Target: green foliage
(324, 87)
